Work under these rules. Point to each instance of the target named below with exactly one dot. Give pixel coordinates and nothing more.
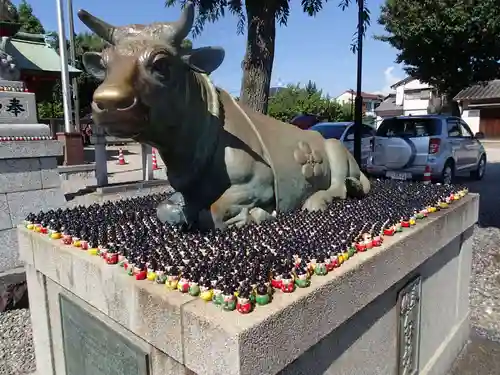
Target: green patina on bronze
(228, 164)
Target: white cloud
(389, 79)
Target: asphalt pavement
(482, 354)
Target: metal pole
(147, 162)
(352, 104)
(358, 104)
(101, 158)
(74, 82)
(64, 67)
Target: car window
(409, 127)
(330, 131)
(454, 129)
(368, 131)
(349, 135)
(466, 132)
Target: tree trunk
(449, 106)
(454, 107)
(258, 62)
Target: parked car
(304, 121)
(404, 146)
(344, 132)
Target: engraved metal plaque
(409, 327)
(93, 348)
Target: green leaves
(365, 21)
(29, 22)
(447, 44)
(212, 10)
(295, 99)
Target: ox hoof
(259, 215)
(317, 202)
(171, 210)
(240, 220)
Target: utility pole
(74, 82)
(358, 103)
(63, 54)
(352, 104)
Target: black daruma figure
(228, 164)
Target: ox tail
(357, 184)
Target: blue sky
(309, 48)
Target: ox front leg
(246, 216)
(339, 164)
(240, 220)
(237, 208)
(320, 200)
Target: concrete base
(346, 323)
(73, 148)
(29, 182)
(160, 174)
(70, 173)
(79, 171)
(128, 186)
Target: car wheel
(448, 173)
(478, 174)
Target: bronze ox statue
(228, 164)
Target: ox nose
(114, 98)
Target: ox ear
(205, 59)
(92, 62)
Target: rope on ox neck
(213, 105)
(208, 92)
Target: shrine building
(37, 61)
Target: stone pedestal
(29, 182)
(16, 105)
(355, 320)
(72, 147)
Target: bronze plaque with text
(93, 348)
(409, 299)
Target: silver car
(404, 146)
(344, 132)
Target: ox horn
(182, 26)
(98, 26)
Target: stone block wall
(347, 322)
(29, 182)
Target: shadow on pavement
(79, 193)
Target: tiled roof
(488, 90)
(35, 54)
(389, 104)
(366, 95)
(402, 82)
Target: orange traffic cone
(154, 161)
(121, 158)
(427, 175)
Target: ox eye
(160, 66)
